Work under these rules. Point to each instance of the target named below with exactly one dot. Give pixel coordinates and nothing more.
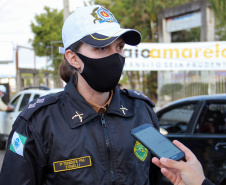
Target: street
(2, 153)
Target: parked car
(199, 123)
(19, 102)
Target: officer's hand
(180, 172)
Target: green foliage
(220, 87)
(170, 89)
(177, 90)
(191, 35)
(150, 85)
(28, 78)
(219, 7)
(47, 30)
(197, 88)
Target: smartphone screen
(158, 144)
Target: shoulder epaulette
(138, 95)
(36, 104)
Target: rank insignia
(78, 115)
(31, 105)
(140, 151)
(103, 15)
(40, 100)
(139, 93)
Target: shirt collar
(101, 109)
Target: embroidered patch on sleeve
(140, 151)
(18, 143)
(72, 164)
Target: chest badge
(140, 151)
(123, 109)
(78, 115)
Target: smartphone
(157, 143)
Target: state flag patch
(18, 143)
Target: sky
(15, 19)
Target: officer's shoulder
(137, 95)
(38, 104)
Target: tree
(47, 30)
(219, 7)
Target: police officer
(3, 106)
(82, 135)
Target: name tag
(72, 164)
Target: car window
(176, 119)
(36, 96)
(15, 101)
(212, 119)
(24, 101)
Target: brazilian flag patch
(140, 151)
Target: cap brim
(130, 36)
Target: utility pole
(66, 9)
(18, 80)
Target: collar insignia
(78, 115)
(140, 151)
(123, 109)
(103, 15)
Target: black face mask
(102, 74)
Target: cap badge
(103, 15)
(78, 115)
(123, 109)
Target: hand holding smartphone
(158, 144)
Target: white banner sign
(176, 56)
(184, 22)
